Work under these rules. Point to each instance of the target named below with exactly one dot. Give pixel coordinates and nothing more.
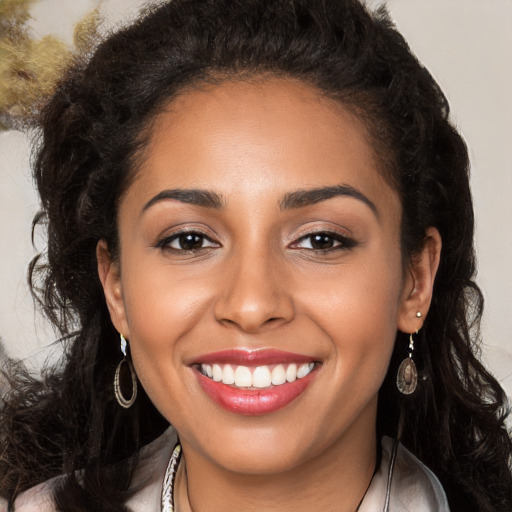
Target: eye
(186, 241)
(324, 241)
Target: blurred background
(467, 46)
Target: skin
(257, 283)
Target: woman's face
(259, 244)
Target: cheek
(161, 304)
(161, 310)
(358, 311)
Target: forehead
(244, 136)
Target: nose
(255, 294)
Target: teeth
(303, 370)
(208, 370)
(217, 373)
(243, 377)
(291, 373)
(228, 375)
(259, 377)
(278, 375)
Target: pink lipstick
(254, 382)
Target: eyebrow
(302, 198)
(291, 200)
(198, 197)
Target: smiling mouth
(256, 377)
(254, 382)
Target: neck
(334, 480)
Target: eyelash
(165, 243)
(344, 242)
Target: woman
(260, 231)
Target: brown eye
(321, 241)
(324, 241)
(186, 241)
(189, 241)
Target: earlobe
(110, 277)
(419, 284)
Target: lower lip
(252, 402)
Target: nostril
(251, 325)
(253, 308)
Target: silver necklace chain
(169, 478)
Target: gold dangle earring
(121, 400)
(407, 377)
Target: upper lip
(258, 357)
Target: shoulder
(147, 481)
(150, 472)
(414, 488)
(36, 499)
(414, 483)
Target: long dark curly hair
(91, 134)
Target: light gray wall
(466, 44)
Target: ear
(419, 283)
(110, 277)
